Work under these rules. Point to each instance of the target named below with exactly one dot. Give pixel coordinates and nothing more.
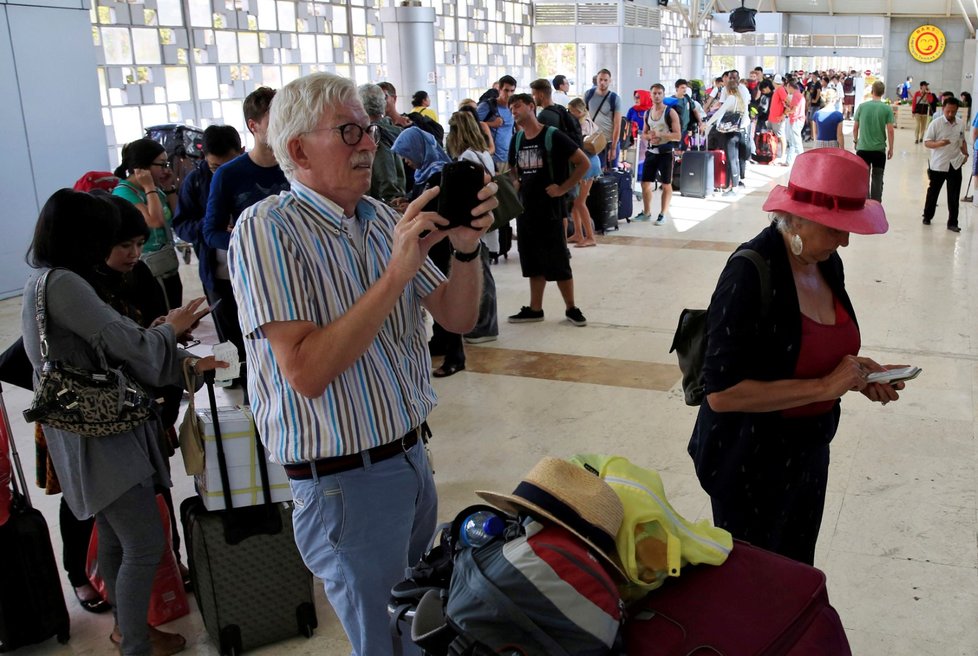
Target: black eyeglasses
(162, 165)
(352, 133)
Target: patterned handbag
(89, 403)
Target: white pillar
(694, 58)
(409, 33)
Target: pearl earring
(796, 244)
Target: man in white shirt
(561, 87)
(948, 153)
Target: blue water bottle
(480, 528)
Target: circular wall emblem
(927, 43)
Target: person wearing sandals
(111, 477)
(150, 185)
(580, 214)
(466, 141)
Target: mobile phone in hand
(894, 375)
(212, 306)
(460, 185)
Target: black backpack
(491, 100)
(429, 125)
(567, 124)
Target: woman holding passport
(782, 349)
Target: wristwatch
(468, 257)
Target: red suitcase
(756, 604)
(719, 169)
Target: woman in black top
(776, 367)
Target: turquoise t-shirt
(157, 236)
(873, 117)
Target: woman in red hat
(778, 361)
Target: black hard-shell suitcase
(697, 174)
(602, 203)
(251, 585)
(32, 602)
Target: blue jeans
(795, 145)
(358, 531)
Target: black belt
(302, 471)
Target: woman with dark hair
(465, 141)
(111, 477)
(421, 103)
(423, 154)
(149, 184)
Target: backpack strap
(763, 273)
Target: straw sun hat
(572, 497)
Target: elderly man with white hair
(331, 286)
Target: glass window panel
(96, 37)
(307, 48)
(227, 47)
(175, 114)
(102, 87)
(266, 15)
(115, 97)
(149, 17)
(177, 80)
(375, 53)
(290, 73)
(200, 13)
(154, 114)
(117, 46)
(106, 15)
(339, 20)
(220, 22)
(107, 117)
(126, 124)
(343, 70)
(169, 12)
(248, 47)
(206, 82)
(286, 15)
(358, 21)
(359, 50)
(271, 76)
(231, 114)
(325, 48)
(263, 39)
(252, 22)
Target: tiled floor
(898, 542)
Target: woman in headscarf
(422, 153)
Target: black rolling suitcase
(696, 174)
(626, 193)
(602, 203)
(251, 585)
(32, 603)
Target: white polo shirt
(938, 130)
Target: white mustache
(365, 159)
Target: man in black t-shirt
(546, 165)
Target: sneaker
(575, 317)
(480, 339)
(526, 315)
(729, 192)
(642, 216)
(661, 219)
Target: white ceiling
(890, 8)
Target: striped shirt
(292, 260)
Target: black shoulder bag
(89, 403)
(689, 342)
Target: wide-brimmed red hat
(828, 186)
